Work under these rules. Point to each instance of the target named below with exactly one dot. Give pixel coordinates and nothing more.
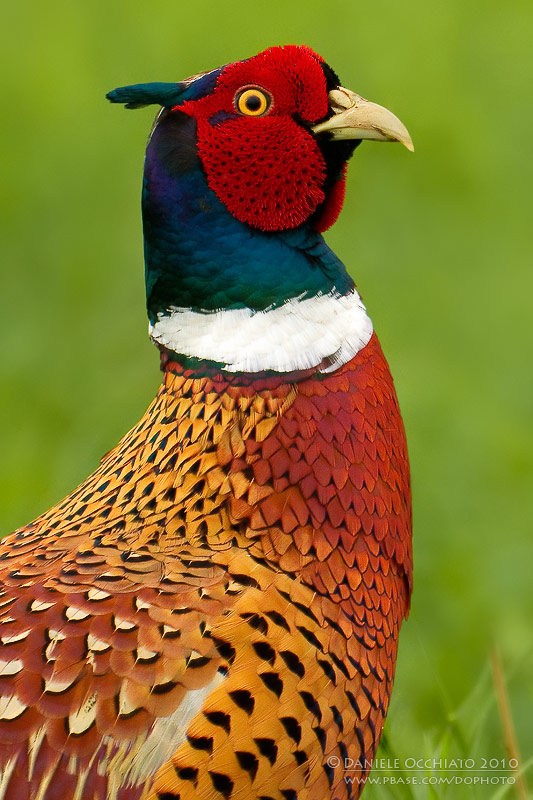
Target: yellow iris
(252, 102)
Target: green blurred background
(438, 242)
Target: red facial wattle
(268, 170)
(332, 207)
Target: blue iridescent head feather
(165, 94)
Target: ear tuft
(147, 94)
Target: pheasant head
(245, 166)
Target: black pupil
(253, 102)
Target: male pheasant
(214, 613)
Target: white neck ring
(322, 332)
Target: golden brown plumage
(238, 538)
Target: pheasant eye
(252, 102)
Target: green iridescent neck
(198, 256)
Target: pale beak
(357, 118)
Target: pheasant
(214, 613)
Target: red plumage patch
(292, 74)
(333, 205)
(267, 170)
